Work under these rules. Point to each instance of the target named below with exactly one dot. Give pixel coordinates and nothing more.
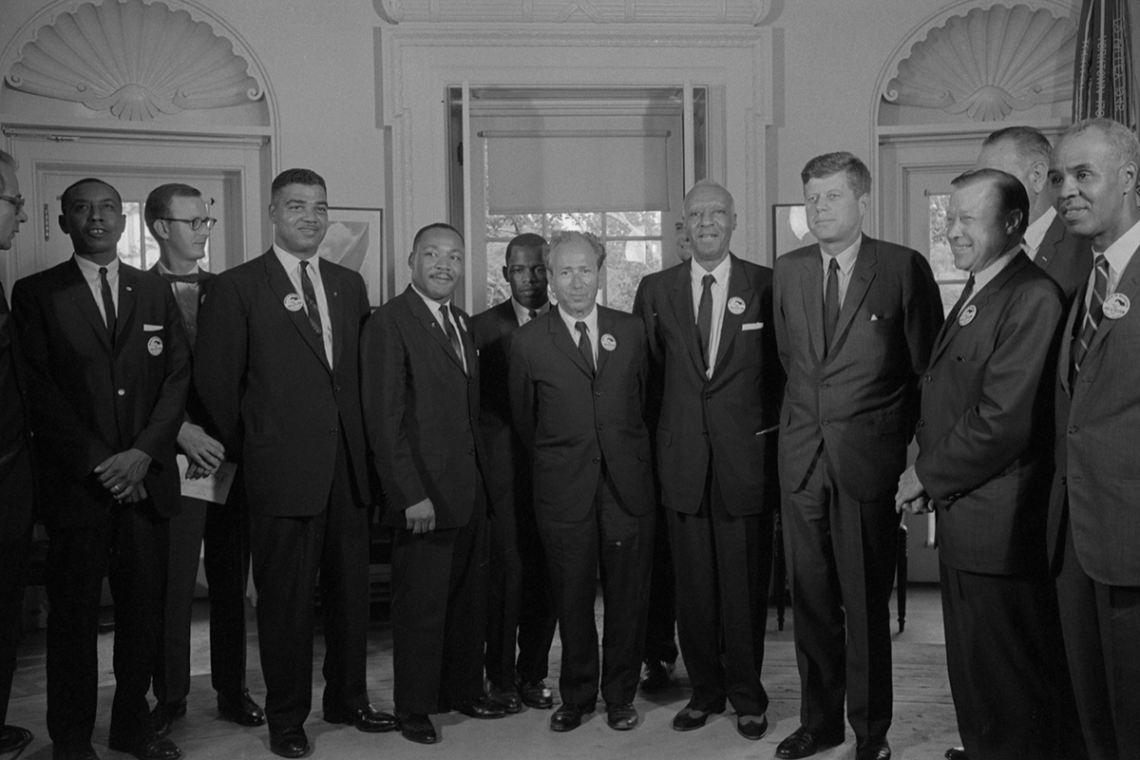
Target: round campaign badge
(967, 315)
(1116, 306)
(736, 305)
(154, 346)
(293, 302)
(609, 342)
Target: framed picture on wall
(355, 239)
(789, 228)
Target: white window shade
(530, 171)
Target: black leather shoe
(536, 694)
(241, 709)
(162, 717)
(73, 752)
(803, 743)
(505, 697)
(752, 726)
(147, 747)
(621, 717)
(690, 718)
(569, 717)
(658, 675)
(14, 739)
(956, 753)
(367, 719)
(417, 727)
(289, 743)
(482, 708)
(872, 749)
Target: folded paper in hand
(215, 488)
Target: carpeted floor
(923, 726)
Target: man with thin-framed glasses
(177, 217)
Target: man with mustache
(108, 371)
(277, 370)
(519, 605)
(421, 401)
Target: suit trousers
(1006, 665)
(1101, 628)
(127, 544)
(661, 627)
(225, 528)
(623, 545)
(439, 613)
(520, 603)
(842, 555)
(724, 568)
(13, 571)
(289, 553)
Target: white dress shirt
(90, 271)
(1118, 255)
(1036, 232)
(591, 321)
(719, 292)
(433, 307)
(983, 278)
(846, 259)
(292, 266)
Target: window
(632, 240)
(951, 280)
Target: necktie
(531, 314)
(311, 306)
(830, 305)
(962, 299)
(108, 302)
(584, 344)
(1093, 315)
(195, 276)
(704, 317)
(452, 335)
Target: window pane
(509, 226)
(497, 288)
(576, 220)
(130, 244)
(633, 224)
(951, 280)
(626, 263)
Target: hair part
(158, 202)
(858, 175)
(295, 177)
(1011, 193)
(65, 197)
(572, 236)
(527, 240)
(434, 226)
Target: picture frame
(355, 239)
(789, 228)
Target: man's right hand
(205, 453)
(420, 517)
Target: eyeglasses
(195, 224)
(17, 202)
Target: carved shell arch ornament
(989, 63)
(134, 59)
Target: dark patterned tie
(830, 305)
(311, 306)
(452, 335)
(108, 303)
(704, 317)
(962, 299)
(584, 344)
(1093, 315)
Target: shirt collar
(1035, 233)
(845, 258)
(90, 269)
(291, 262)
(984, 277)
(522, 313)
(432, 304)
(590, 319)
(1120, 252)
(720, 272)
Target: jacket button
(824, 384)
(921, 423)
(1072, 429)
(708, 397)
(597, 393)
(601, 426)
(1064, 480)
(471, 452)
(597, 459)
(825, 423)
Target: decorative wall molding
(986, 62)
(752, 12)
(132, 59)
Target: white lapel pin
(736, 305)
(967, 315)
(1116, 306)
(293, 302)
(609, 342)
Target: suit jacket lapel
(431, 324)
(980, 300)
(80, 294)
(561, 337)
(128, 296)
(605, 327)
(811, 291)
(332, 285)
(681, 298)
(282, 288)
(1128, 286)
(1053, 237)
(862, 274)
(738, 287)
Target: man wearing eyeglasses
(15, 471)
(108, 368)
(177, 217)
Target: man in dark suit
(109, 367)
(519, 604)
(15, 471)
(278, 375)
(984, 464)
(421, 379)
(1094, 509)
(855, 319)
(178, 219)
(1024, 152)
(577, 388)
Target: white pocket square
(751, 326)
(874, 317)
(151, 328)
